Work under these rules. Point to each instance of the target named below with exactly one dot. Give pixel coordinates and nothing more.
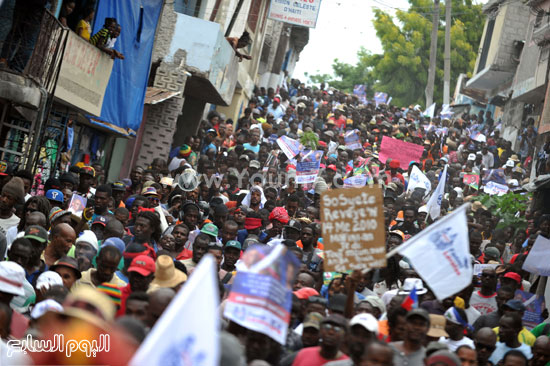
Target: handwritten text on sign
(353, 228)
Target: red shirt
(184, 254)
(340, 123)
(311, 356)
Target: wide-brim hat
(166, 274)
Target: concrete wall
(530, 80)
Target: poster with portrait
(77, 205)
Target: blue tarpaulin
(123, 102)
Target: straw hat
(166, 274)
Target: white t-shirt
(5, 224)
(472, 314)
(453, 345)
(484, 304)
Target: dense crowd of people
(91, 256)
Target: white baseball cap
(510, 163)
(48, 279)
(472, 157)
(44, 306)
(12, 278)
(365, 320)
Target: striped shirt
(101, 37)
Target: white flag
(430, 111)
(419, 179)
(434, 203)
(537, 260)
(188, 330)
(440, 254)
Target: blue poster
(261, 295)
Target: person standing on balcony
(20, 41)
(101, 38)
(66, 10)
(84, 27)
(241, 42)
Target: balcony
(200, 47)
(541, 32)
(84, 75)
(32, 61)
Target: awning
(490, 78)
(107, 127)
(157, 95)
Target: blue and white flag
(187, 333)
(434, 204)
(430, 111)
(440, 254)
(418, 179)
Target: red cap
(513, 276)
(394, 164)
(332, 167)
(305, 293)
(322, 143)
(276, 99)
(142, 264)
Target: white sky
(343, 26)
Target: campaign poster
(261, 294)
(77, 205)
(307, 166)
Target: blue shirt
(254, 149)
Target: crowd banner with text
(290, 147)
(261, 294)
(403, 151)
(307, 168)
(303, 13)
(353, 229)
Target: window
(254, 14)
(187, 7)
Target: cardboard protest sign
(353, 229)
(403, 151)
(471, 180)
(534, 306)
(261, 294)
(307, 167)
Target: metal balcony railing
(34, 52)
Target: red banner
(403, 151)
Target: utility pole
(433, 55)
(447, 56)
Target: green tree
(402, 69)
